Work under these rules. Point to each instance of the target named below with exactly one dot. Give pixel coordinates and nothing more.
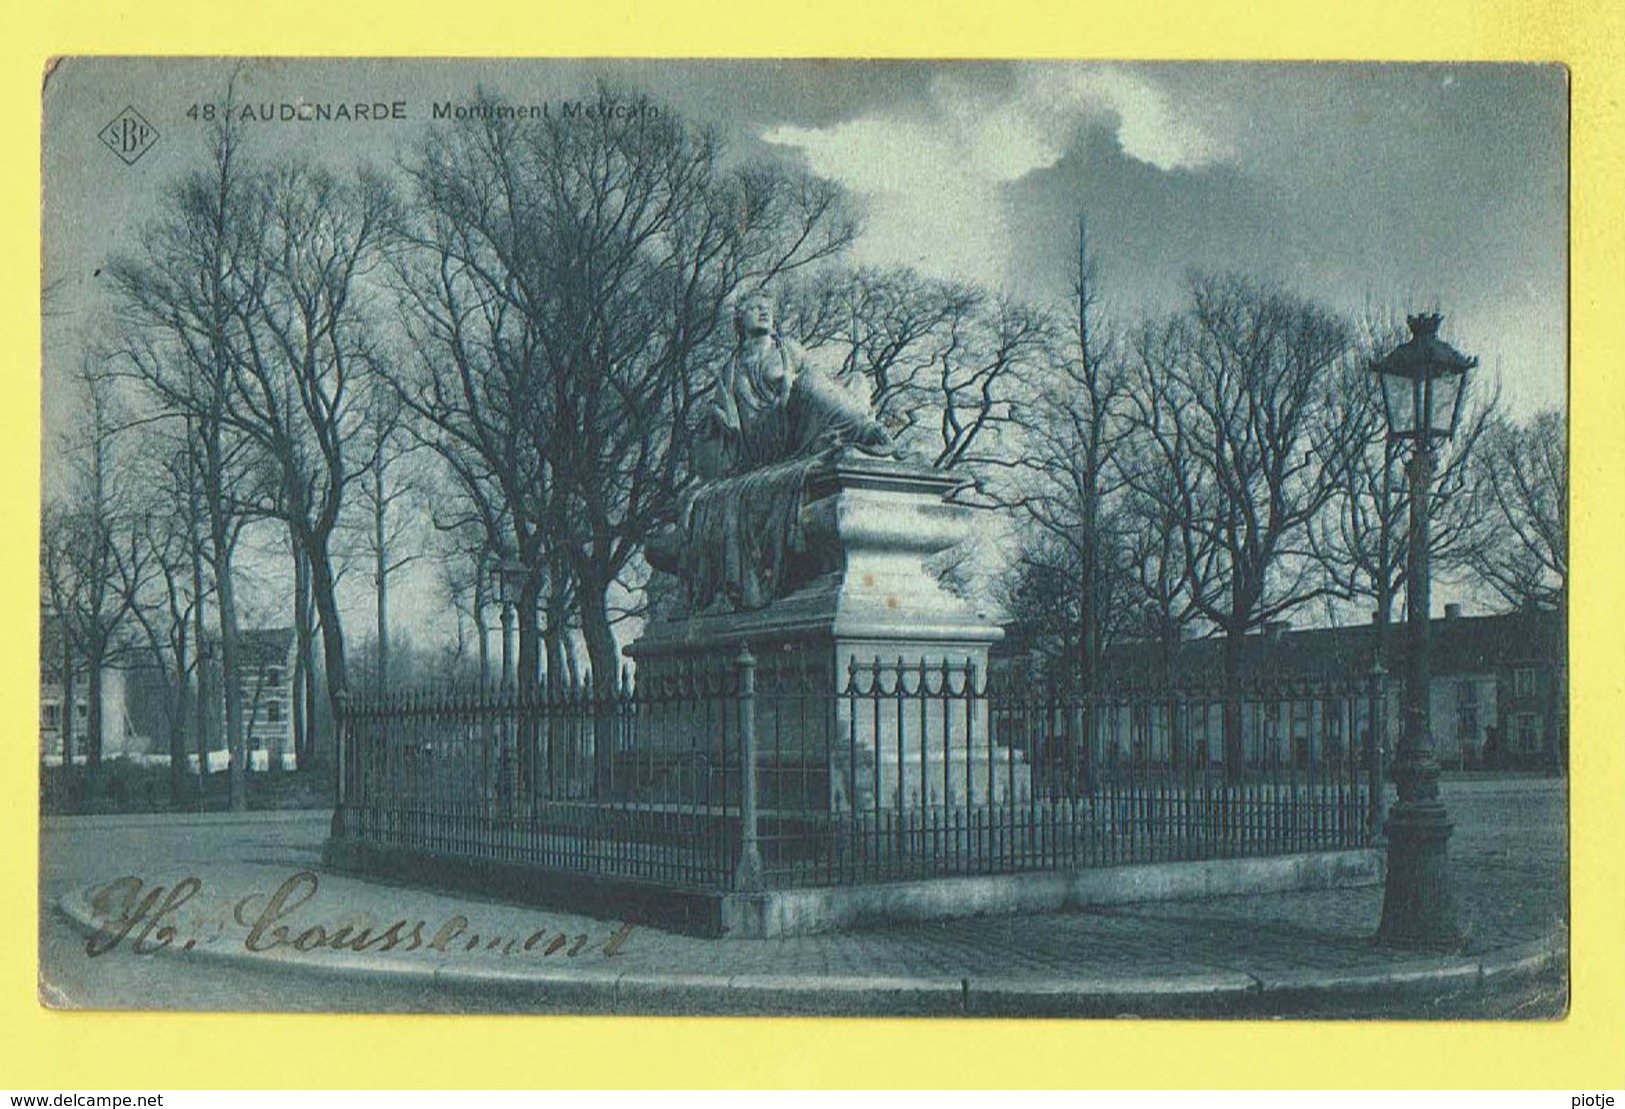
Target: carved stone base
(830, 653)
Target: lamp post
(1423, 383)
(507, 580)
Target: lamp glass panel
(1446, 391)
(1400, 399)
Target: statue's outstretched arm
(827, 415)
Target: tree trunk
(1088, 618)
(572, 660)
(1383, 617)
(68, 707)
(301, 658)
(603, 657)
(200, 708)
(1556, 691)
(201, 705)
(383, 624)
(93, 706)
(1234, 749)
(553, 653)
(313, 718)
(327, 615)
(530, 640)
(176, 699)
(602, 653)
(236, 745)
(482, 630)
(96, 655)
(380, 563)
(296, 711)
(222, 543)
(556, 637)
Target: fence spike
(1118, 802)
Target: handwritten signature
(148, 916)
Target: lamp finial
(1425, 325)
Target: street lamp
(1423, 383)
(507, 581)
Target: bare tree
(942, 362)
(166, 592)
(1040, 598)
(1520, 487)
(180, 295)
(305, 345)
(1075, 426)
(304, 677)
(889, 328)
(92, 560)
(1157, 605)
(389, 484)
(475, 382)
(1360, 539)
(59, 640)
(567, 283)
(978, 378)
(1234, 407)
(459, 556)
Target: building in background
(1498, 691)
(134, 714)
(265, 658)
(119, 739)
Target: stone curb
(69, 821)
(1168, 995)
(1309, 986)
(1219, 993)
(1524, 960)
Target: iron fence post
(1379, 735)
(341, 713)
(748, 876)
(508, 660)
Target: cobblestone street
(1509, 854)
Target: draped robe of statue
(774, 418)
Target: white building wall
(1460, 709)
(117, 739)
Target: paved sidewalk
(1307, 954)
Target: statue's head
(753, 315)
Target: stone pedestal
(861, 613)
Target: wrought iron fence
(745, 773)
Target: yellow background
(51, 1050)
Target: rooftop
(1460, 645)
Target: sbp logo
(129, 136)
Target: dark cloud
(1390, 185)
(1356, 183)
(1150, 227)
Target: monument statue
(772, 419)
(807, 540)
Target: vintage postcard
(930, 538)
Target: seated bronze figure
(772, 419)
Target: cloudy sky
(1394, 186)
(1399, 187)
